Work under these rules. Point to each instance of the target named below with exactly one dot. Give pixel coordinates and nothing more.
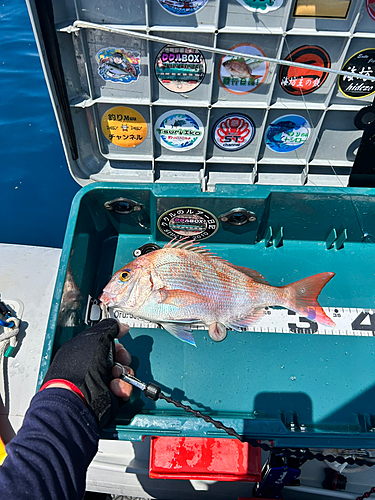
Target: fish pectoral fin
(217, 331)
(179, 298)
(255, 316)
(182, 332)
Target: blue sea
(36, 186)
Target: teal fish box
(285, 378)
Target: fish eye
(125, 275)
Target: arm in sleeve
(49, 456)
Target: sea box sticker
(188, 222)
(287, 133)
(233, 132)
(179, 130)
(362, 63)
(370, 7)
(301, 81)
(182, 7)
(239, 74)
(180, 69)
(118, 65)
(124, 126)
(261, 6)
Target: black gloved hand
(86, 361)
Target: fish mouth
(106, 298)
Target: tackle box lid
(136, 101)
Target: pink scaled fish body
(183, 283)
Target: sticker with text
(240, 74)
(180, 69)
(302, 81)
(124, 126)
(287, 133)
(233, 132)
(179, 130)
(362, 63)
(183, 222)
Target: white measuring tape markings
(349, 321)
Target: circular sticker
(287, 133)
(262, 6)
(182, 7)
(183, 222)
(233, 132)
(363, 63)
(301, 81)
(179, 130)
(180, 69)
(370, 7)
(124, 126)
(240, 75)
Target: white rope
(206, 48)
(9, 337)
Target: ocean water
(36, 186)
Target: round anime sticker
(239, 74)
(180, 69)
(261, 6)
(182, 7)
(185, 222)
(287, 133)
(124, 126)
(118, 65)
(302, 81)
(233, 132)
(362, 63)
(179, 130)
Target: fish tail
(302, 295)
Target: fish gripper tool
(152, 391)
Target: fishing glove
(86, 361)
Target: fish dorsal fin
(191, 246)
(251, 273)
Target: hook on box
(334, 240)
(277, 241)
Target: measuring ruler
(349, 321)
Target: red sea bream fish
(183, 283)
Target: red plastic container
(204, 458)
